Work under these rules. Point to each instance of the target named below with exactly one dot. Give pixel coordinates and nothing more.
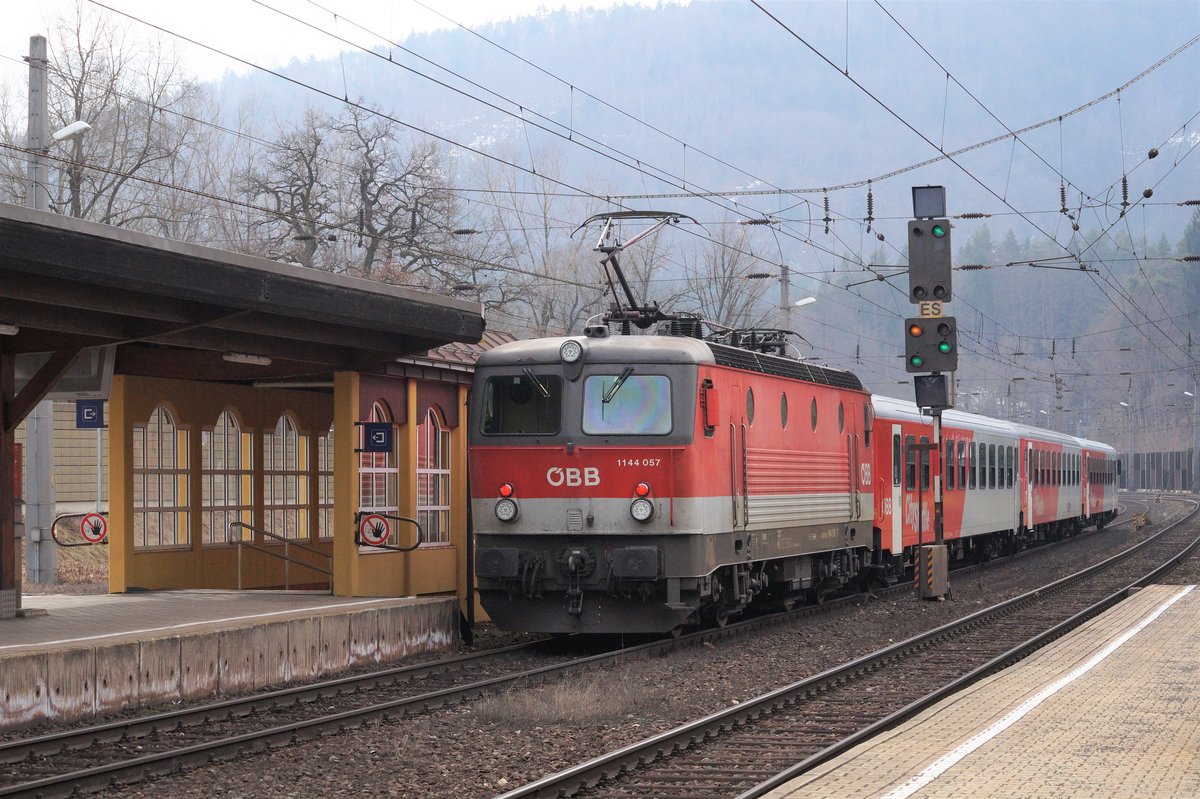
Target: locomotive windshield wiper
(529, 373)
(616, 386)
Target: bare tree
(719, 282)
(145, 115)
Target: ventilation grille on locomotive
(783, 367)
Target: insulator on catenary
(1062, 197)
(973, 215)
(870, 207)
(1124, 191)
(827, 218)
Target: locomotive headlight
(506, 510)
(570, 351)
(642, 509)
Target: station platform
(99, 653)
(1107, 711)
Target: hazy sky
(253, 31)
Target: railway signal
(931, 344)
(929, 266)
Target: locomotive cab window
(627, 404)
(522, 404)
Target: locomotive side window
(910, 464)
(897, 458)
(750, 406)
(639, 405)
(814, 414)
(841, 418)
(783, 410)
(524, 404)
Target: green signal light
(944, 347)
(938, 231)
(916, 360)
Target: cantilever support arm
(38, 386)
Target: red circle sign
(374, 529)
(93, 528)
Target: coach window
(983, 461)
(783, 410)
(991, 465)
(750, 406)
(926, 456)
(962, 465)
(910, 464)
(1012, 465)
(896, 459)
(814, 414)
(841, 418)
(971, 465)
(949, 468)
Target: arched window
(227, 458)
(433, 478)
(160, 483)
(285, 480)
(378, 474)
(325, 485)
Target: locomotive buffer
(931, 352)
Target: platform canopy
(172, 309)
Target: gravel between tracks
(486, 749)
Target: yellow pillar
(120, 487)
(459, 498)
(406, 460)
(345, 483)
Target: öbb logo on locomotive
(572, 476)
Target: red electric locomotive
(638, 483)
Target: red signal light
(642, 489)
(506, 490)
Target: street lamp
(803, 302)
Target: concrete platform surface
(93, 654)
(1111, 710)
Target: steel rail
(98, 777)
(630, 758)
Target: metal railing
(286, 557)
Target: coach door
(897, 499)
(1027, 488)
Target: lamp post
(40, 550)
(1131, 471)
(1194, 394)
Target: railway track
(129, 750)
(749, 749)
